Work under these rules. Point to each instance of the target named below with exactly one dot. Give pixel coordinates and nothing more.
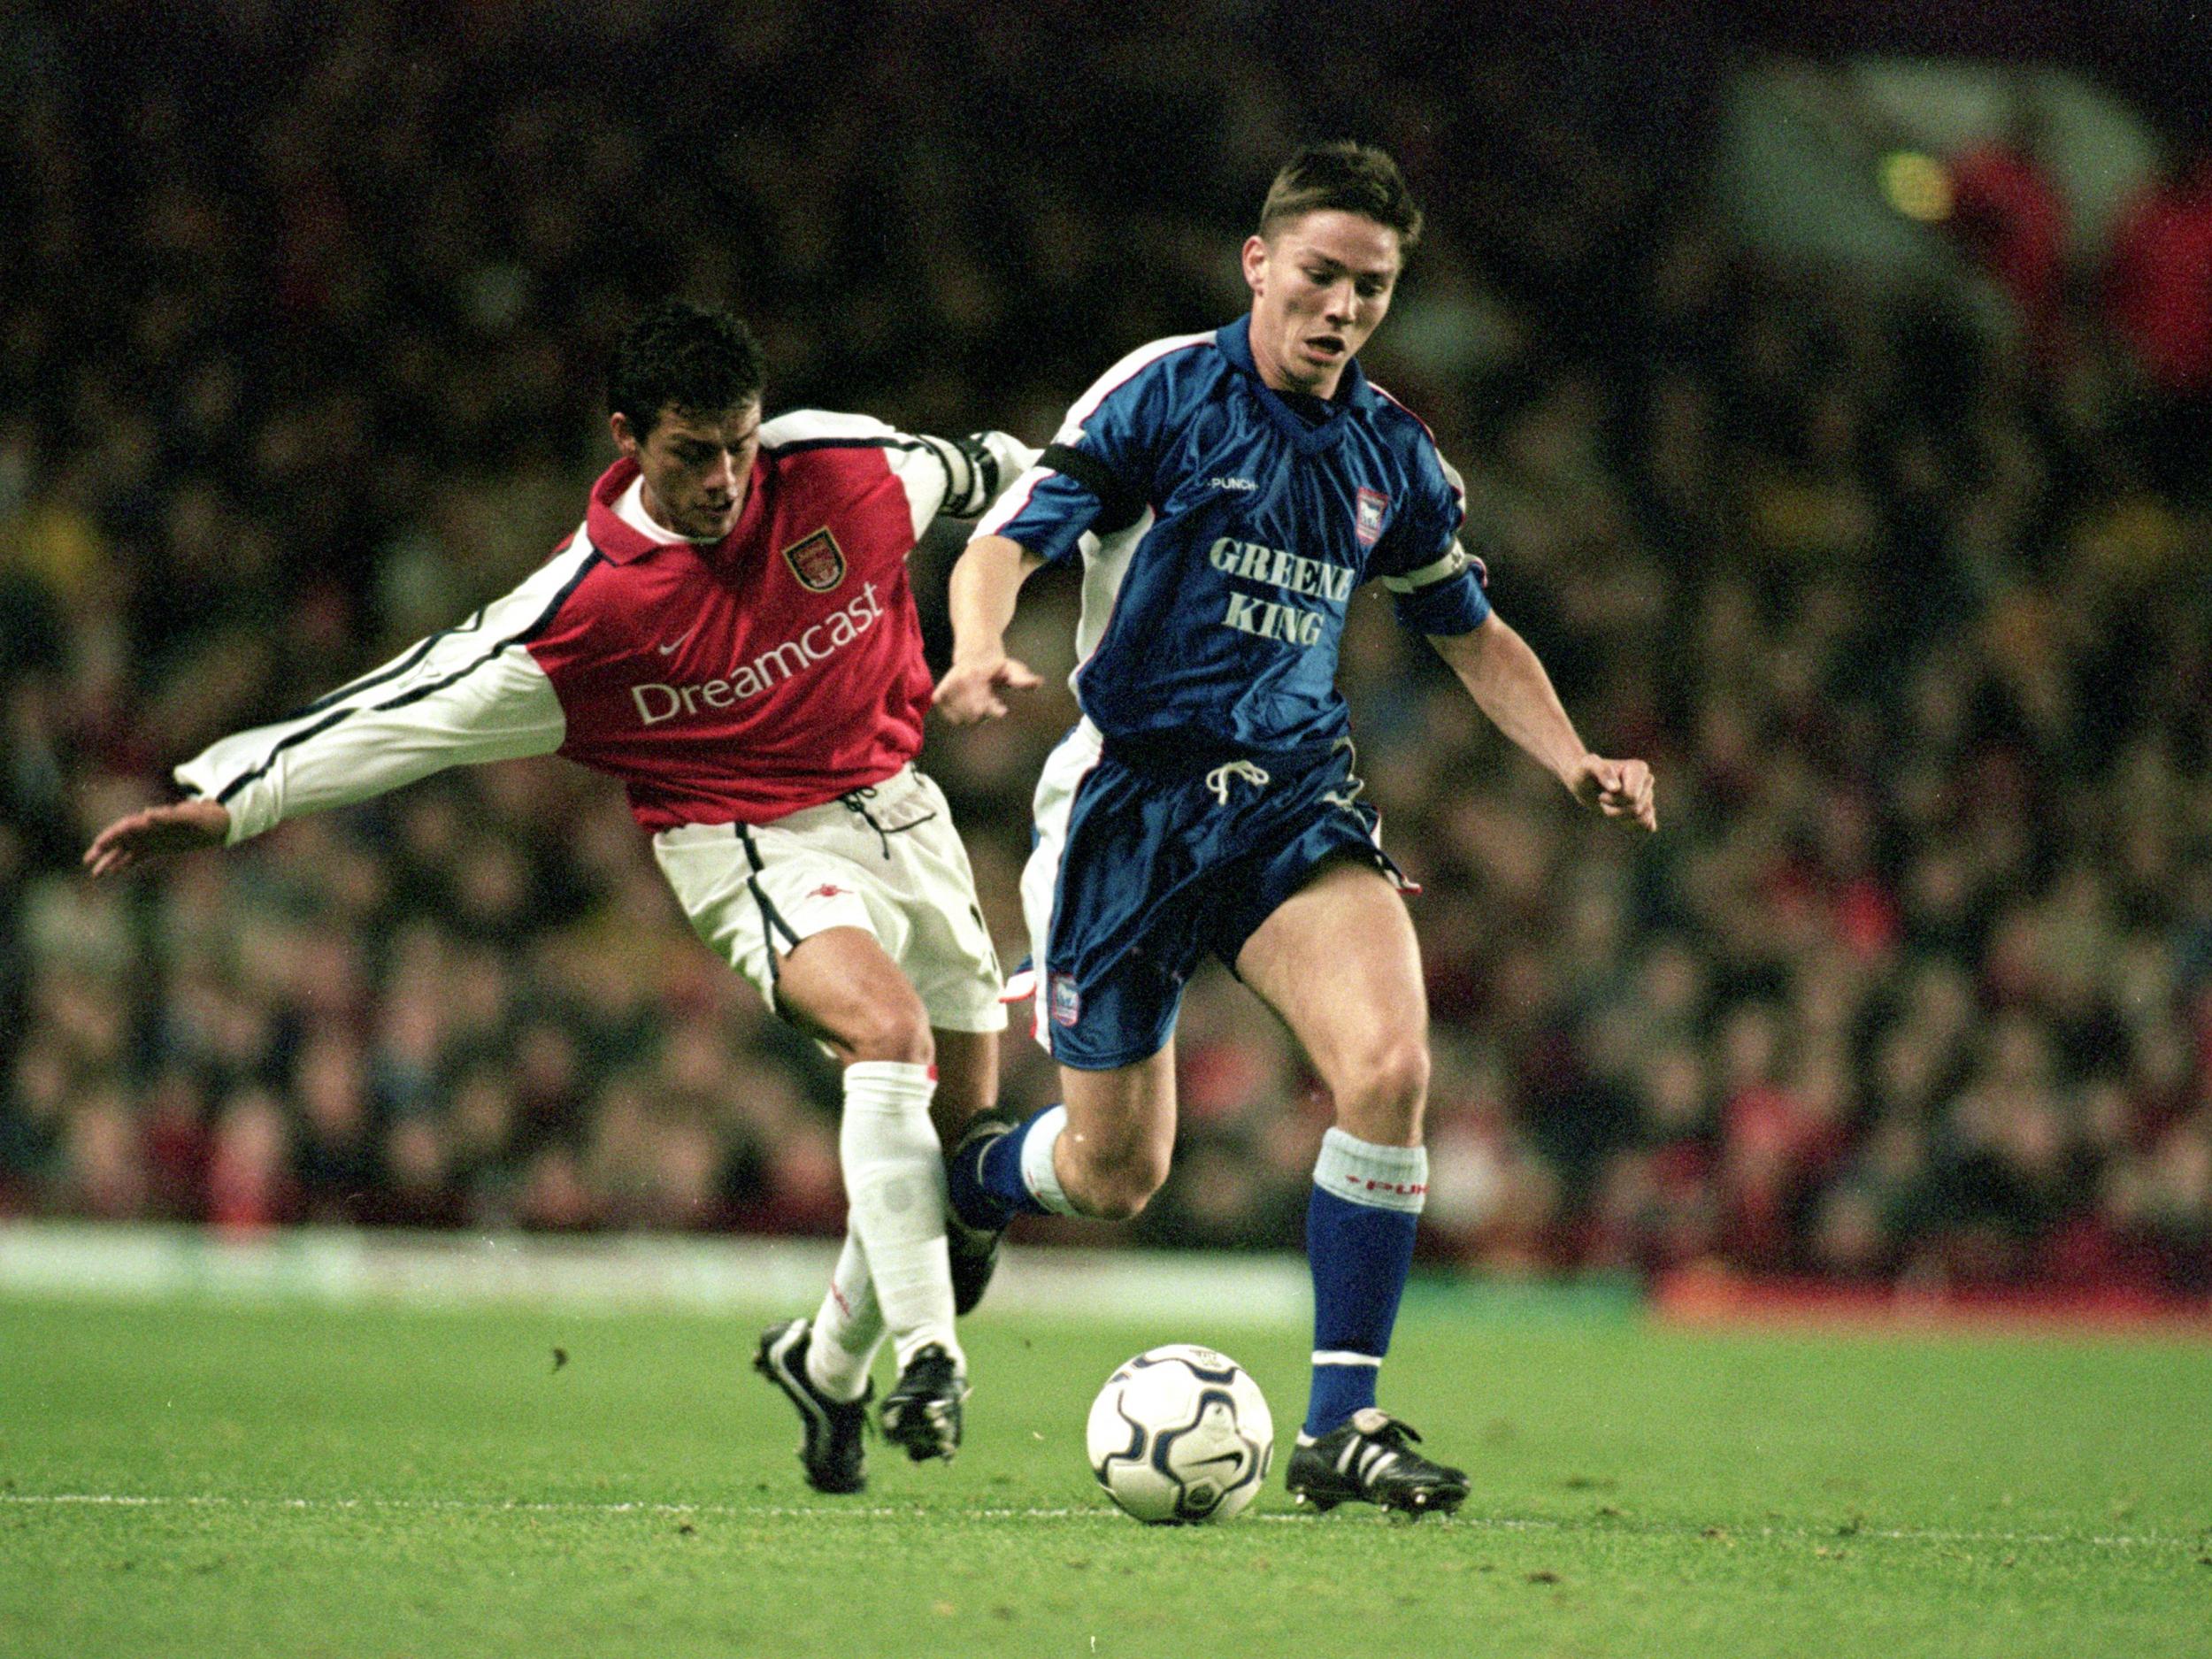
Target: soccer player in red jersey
(730, 633)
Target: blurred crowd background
(1905, 590)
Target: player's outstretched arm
(984, 585)
(182, 826)
(1508, 682)
(471, 693)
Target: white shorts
(888, 863)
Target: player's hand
(1619, 788)
(183, 827)
(969, 691)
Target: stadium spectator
(2159, 288)
(2008, 212)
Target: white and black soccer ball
(1181, 1433)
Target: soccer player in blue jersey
(1226, 493)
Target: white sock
(1039, 1173)
(895, 1177)
(848, 1329)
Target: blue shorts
(1141, 869)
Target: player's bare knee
(1382, 1097)
(1118, 1186)
(891, 1031)
(1114, 1202)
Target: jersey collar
(619, 540)
(1352, 393)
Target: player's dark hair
(1353, 178)
(680, 355)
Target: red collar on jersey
(621, 541)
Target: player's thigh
(1123, 1118)
(1338, 962)
(841, 985)
(1134, 896)
(807, 925)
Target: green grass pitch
(184, 1478)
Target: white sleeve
(472, 693)
(955, 477)
(978, 469)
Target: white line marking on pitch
(877, 1512)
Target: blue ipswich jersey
(1224, 527)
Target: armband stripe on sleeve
(955, 497)
(983, 466)
(1118, 507)
(1456, 560)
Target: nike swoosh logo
(676, 644)
(1224, 1457)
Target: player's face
(696, 466)
(1319, 286)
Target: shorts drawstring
(856, 802)
(1217, 780)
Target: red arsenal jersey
(775, 670)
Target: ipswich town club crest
(1369, 525)
(818, 560)
(1067, 1001)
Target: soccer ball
(1181, 1433)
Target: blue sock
(990, 1191)
(1360, 1223)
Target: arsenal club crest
(818, 560)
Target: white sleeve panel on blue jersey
(1048, 512)
(1100, 464)
(957, 477)
(472, 693)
